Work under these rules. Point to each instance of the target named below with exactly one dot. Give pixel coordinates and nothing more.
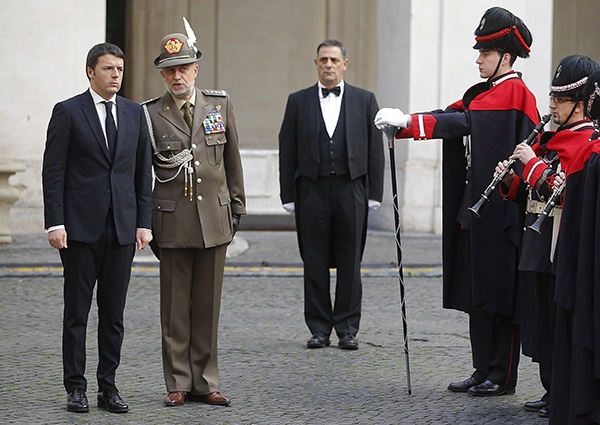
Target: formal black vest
(333, 151)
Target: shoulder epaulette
(150, 100)
(221, 93)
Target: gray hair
(333, 43)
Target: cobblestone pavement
(265, 367)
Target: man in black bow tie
(331, 173)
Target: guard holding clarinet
(541, 164)
(480, 254)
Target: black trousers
(495, 344)
(332, 214)
(108, 263)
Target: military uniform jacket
(199, 177)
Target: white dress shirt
(330, 107)
(101, 110)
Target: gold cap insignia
(173, 46)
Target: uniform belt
(536, 207)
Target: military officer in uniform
(198, 199)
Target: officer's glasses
(558, 99)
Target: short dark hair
(101, 50)
(333, 43)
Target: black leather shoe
(463, 386)
(318, 340)
(77, 401)
(535, 406)
(110, 400)
(348, 342)
(545, 412)
(488, 389)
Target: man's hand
(508, 178)
(373, 204)
(391, 116)
(290, 207)
(142, 238)
(559, 179)
(523, 153)
(58, 238)
(235, 221)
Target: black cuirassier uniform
(576, 373)
(537, 309)
(480, 256)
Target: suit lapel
(122, 120)
(349, 109)
(89, 110)
(314, 119)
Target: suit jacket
(202, 219)
(80, 182)
(299, 140)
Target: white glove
(290, 207)
(391, 116)
(373, 204)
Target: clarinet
(552, 200)
(498, 177)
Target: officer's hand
(373, 204)
(391, 116)
(290, 207)
(235, 220)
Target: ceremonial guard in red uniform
(541, 162)
(576, 374)
(480, 255)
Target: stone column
(8, 196)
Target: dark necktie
(335, 90)
(187, 114)
(111, 130)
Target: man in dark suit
(97, 184)
(331, 173)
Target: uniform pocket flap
(169, 145)
(224, 198)
(214, 140)
(163, 204)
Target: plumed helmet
(500, 30)
(571, 75)
(176, 50)
(591, 96)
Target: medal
(213, 123)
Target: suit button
(197, 163)
(199, 180)
(199, 197)
(193, 146)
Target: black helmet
(591, 96)
(571, 75)
(500, 30)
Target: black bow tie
(335, 90)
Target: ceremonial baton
(389, 132)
